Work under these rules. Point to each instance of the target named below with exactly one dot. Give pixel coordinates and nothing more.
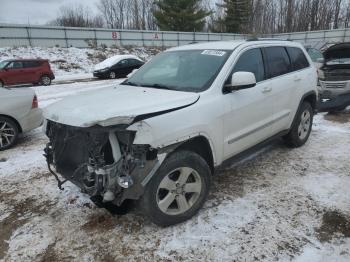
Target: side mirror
(132, 73)
(239, 81)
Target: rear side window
(298, 58)
(277, 60)
(251, 61)
(31, 64)
(134, 62)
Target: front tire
(8, 133)
(1, 84)
(301, 129)
(178, 189)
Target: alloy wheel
(179, 191)
(45, 80)
(305, 125)
(7, 134)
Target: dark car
(25, 71)
(335, 78)
(117, 66)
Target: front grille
(333, 84)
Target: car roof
(24, 60)
(114, 60)
(120, 57)
(231, 45)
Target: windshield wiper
(160, 86)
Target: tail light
(35, 103)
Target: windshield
(3, 64)
(190, 70)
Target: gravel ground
(277, 205)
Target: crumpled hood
(119, 105)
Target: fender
(310, 93)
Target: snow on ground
(73, 63)
(279, 204)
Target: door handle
(297, 78)
(267, 89)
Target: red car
(25, 71)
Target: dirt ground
(277, 205)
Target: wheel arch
(14, 120)
(310, 97)
(201, 146)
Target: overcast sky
(35, 11)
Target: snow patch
(330, 190)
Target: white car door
(285, 67)
(248, 121)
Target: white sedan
(19, 113)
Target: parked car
(335, 78)
(159, 136)
(25, 71)
(19, 113)
(316, 56)
(117, 66)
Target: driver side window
(15, 65)
(251, 61)
(123, 63)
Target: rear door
(285, 76)
(30, 71)
(135, 64)
(249, 120)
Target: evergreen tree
(237, 14)
(180, 15)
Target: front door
(14, 73)
(249, 119)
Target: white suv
(159, 136)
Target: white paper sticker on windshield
(214, 52)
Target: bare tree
(77, 16)
(132, 14)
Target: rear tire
(8, 133)
(178, 189)
(45, 80)
(302, 126)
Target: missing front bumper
(102, 163)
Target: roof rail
(266, 39)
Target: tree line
(231, 16)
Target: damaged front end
(102, 161)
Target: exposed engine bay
(102, 161)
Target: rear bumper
(32, 120)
